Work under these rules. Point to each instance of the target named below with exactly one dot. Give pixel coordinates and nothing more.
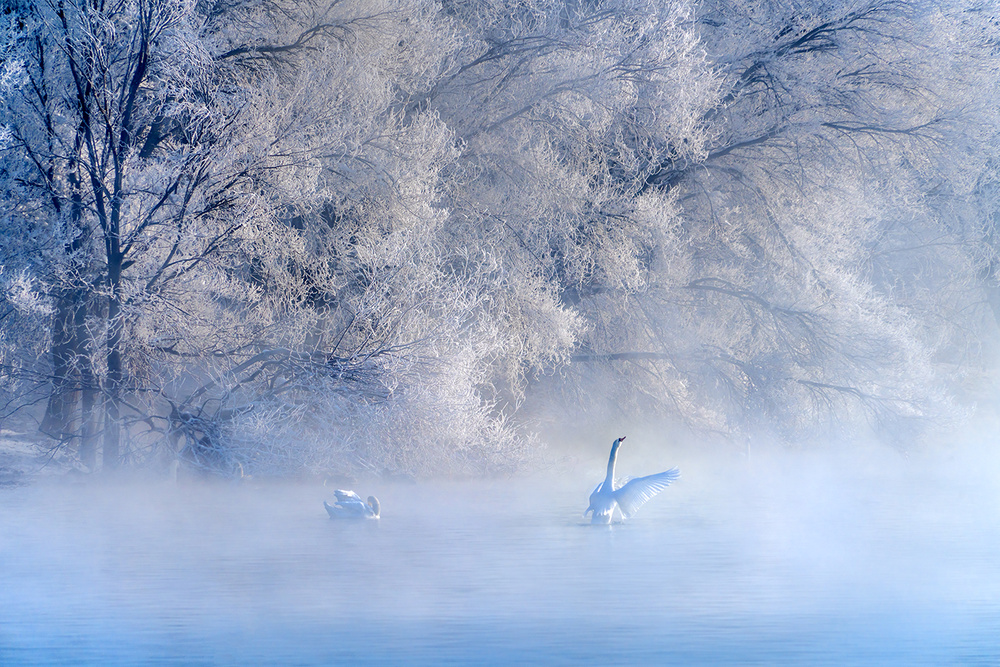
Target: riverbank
(26, 457)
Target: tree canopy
(387, 235)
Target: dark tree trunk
(57, 422)
(88, 392)
(113, 386)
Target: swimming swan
(350, 506)
(631, 496)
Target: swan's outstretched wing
(634, 495)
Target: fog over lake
(790, 557)
(444, 253)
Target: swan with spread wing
(630, 496)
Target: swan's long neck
(609, 481)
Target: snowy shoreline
(24, 459)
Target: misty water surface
(795, 559)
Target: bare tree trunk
(59, 412)
(88, 424)
(88, 392)
(113, 386)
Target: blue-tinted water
(765, 564)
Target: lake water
(787, 561)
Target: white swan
(350, 506)
(631, 496)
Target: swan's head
(617, 443)
(373, 503)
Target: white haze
(393, 239)
(838, 556)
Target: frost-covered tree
(230, 234)
(565, 110)
(830, 221)
(132, 179)
(797, 250)
(361, 235)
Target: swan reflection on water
(629, 497)
(350, 506)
